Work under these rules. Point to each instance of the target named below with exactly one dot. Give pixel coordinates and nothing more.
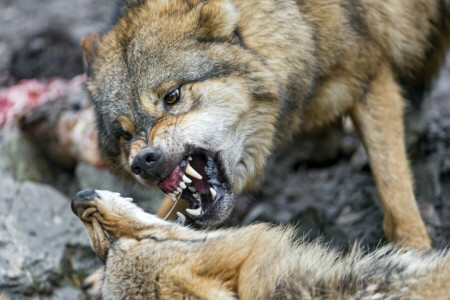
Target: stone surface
(36, 227)
(43, 36)
(20, 158)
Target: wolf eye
(126, 136)
(172, 97)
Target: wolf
(194, 96)
(149, 258)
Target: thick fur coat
(218, 85)
(148, 258)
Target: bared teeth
(192, 189)
(195, 195)
(192, 172)
(186, 179)
(213, 193)
(176, 192)
(194, 212)
(181, 217)
(182, 185)
(179, 190)
(189, 158)
(172, 196)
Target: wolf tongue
(200, 185)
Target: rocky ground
(322, 183)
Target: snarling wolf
(193, 96)
(148, 258)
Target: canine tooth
(181, 217)
(189, 158)
(190, 171)
(195, 195)
(192, 189)
(179, 189)
(186, 179)
(182, 185)
(213, 193)
(194, 212)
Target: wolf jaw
(201, 180)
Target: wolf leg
(378, 118)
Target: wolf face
(176, 108)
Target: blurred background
(48, 152)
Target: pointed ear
(218, 19)
(89, 46)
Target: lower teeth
(194, 212)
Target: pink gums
(171, 183)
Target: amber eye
(126, 136)
(172, 97)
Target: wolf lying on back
(201, 93)
(149, 258)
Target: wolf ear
(89, 46)
(218, 18)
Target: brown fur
(147, 258)
(255, 73)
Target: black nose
(147, 162)
(81, 198)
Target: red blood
(29, 93)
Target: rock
(57, 27)
(36, 228)
(67, 292)
(359, 159)
(338, 203)
(5, 63)
(436, 113)
(430, 214)
(20, 158)
(35, 59)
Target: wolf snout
(81, 201)
(148, 162)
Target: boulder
(43, 246)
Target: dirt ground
(321, 183)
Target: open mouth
(200, 180)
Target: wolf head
(182, 102)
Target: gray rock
(359, 159)
(436, 113)
(36, 228)
(40, 34)
(79, 17)
(20, 158)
